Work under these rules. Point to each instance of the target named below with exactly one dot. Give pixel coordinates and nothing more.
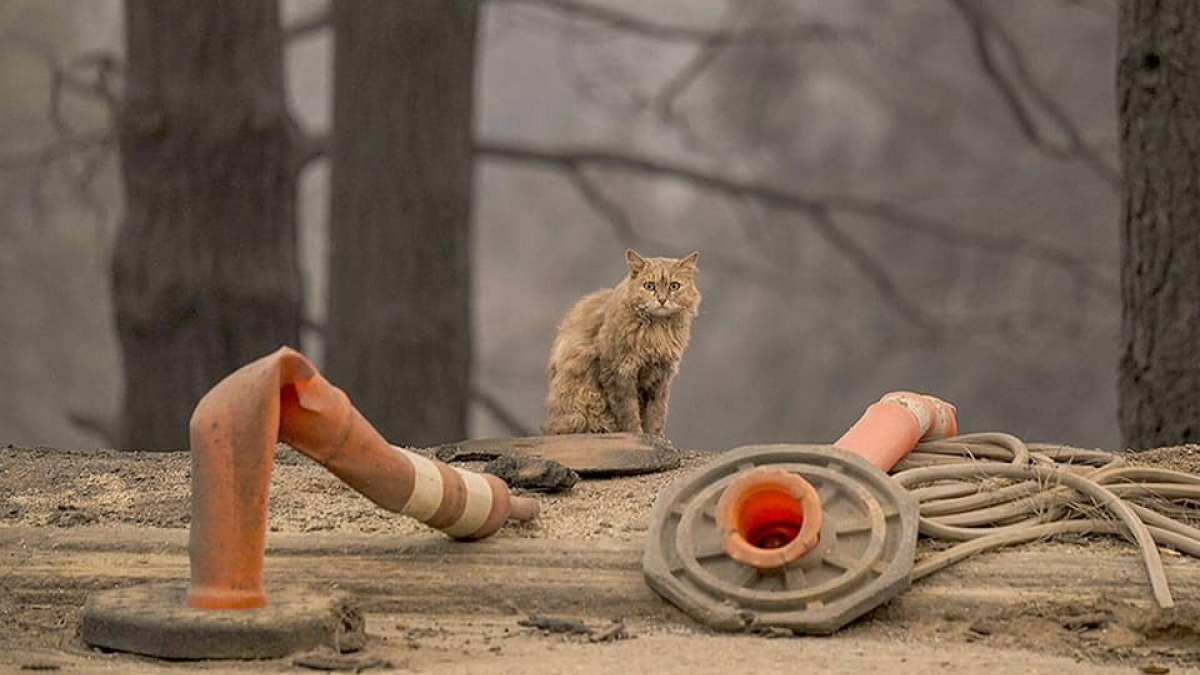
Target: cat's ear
(636, 262)
(688, 263)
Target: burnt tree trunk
(1159, 107)
(399, 320)
(205, 275)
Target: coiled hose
(991, 490)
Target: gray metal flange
(863, 558)
(153, 620)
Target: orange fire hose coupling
(282, 397)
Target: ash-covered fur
(618, 349)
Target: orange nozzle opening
(769, 518)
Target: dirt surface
(44, 487)
(75, 522)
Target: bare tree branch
(93, 150)
(1081, 270)
(665, 100)
(309, 25)
(986, 28)
(688, 74)
(876, 274)
(93, 147)
(608, 209)
(85, 179)
(67, 148)
(507, 419)
(310, 148)
(631, 23)
(622, 225)
(93, 75)
(307, 147)
(1105, 8)
(102, 428)
(105, 69)
(816, 207)
(66, 78)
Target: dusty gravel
(66, 491)
(43, 487)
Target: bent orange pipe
(281, 396)
(891, 428)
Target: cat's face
(662, 287)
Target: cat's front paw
(635, 428)
(658, 439)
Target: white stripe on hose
(941, 425)
(426, 497)
(479, 505)
(915, 405)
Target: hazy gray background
(793, 339)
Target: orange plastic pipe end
(234, 429)
(891, 428)
(768, 518)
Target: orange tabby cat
(617, 350)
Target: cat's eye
(649, 285)
(674, 285)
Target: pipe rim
(757, 481)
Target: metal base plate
(589, 455)
(153, 620)
(864, 556)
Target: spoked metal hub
(727, 547)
